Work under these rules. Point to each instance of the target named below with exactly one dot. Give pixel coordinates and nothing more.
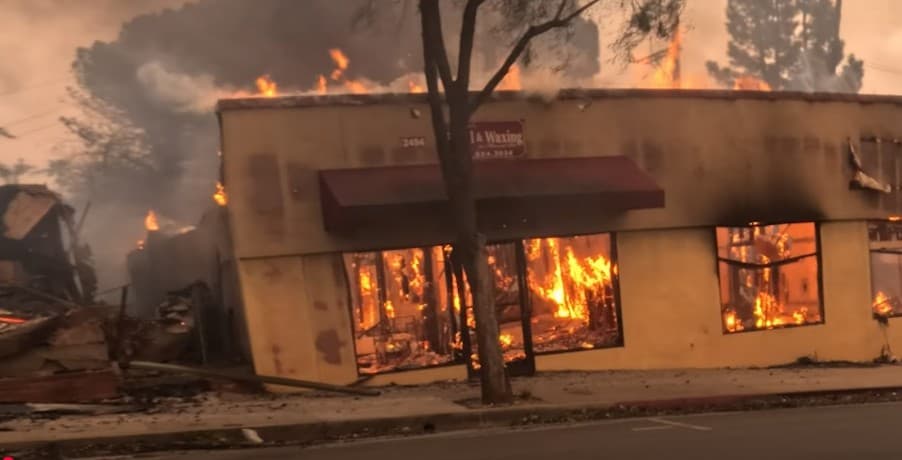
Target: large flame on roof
(341, 63)
(511, 81)
(266, 86)
(670, 74)
(750, 83)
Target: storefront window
(413, 308)
(571, 283)
(886, 268)
(768, 276)
(402, 317)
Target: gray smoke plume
(178, 91)
(165, 71)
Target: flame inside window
(414, 308)
(768, 276)
(886, 267)
(571, 281)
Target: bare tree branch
(557, 22)
(434, 37)
(649, 19)
(430, 69)
(560, 9)
(467, 33)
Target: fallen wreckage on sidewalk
(56, 342)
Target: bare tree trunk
(470, 247)
(453, 145)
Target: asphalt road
(841, 432)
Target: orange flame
(341, 63)
(511, 81)
(768, 311)
(266, 86)
(506, 340)
(322, 85)
(389, 309)
(882, 305)
(570, 279)
(150, 221)
(355, 87)
(220, 196)
(665, 75)
(414, 87)
(750, 83)
(12, 320)
(731, 321)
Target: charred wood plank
(61, 388)
(253, 378)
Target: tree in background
(109, 154)
(788, 44)
(452, 104)
(763, 42)
(823, 51)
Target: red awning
(504, 190)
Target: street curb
(514, 416)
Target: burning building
(196, 261)
(758, 255)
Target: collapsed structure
(628, 229)
(194, 266)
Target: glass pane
(754, 298)
(400, 312)
(571, 284)
(884, 231)
(886, 283)
(502, 260)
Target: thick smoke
(178, 91)
(165, 71)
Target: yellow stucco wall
(298, 317)
(718, 159)
(721, 161)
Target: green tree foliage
(788, 44)
(823, 65)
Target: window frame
(817, 254)
(364, 376)
(615, 286)
(880, 247)
(526, 300)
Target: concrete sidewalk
(282, 418)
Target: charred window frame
(755, 263)
(593, 319)
(885, 241)
(402, 317)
